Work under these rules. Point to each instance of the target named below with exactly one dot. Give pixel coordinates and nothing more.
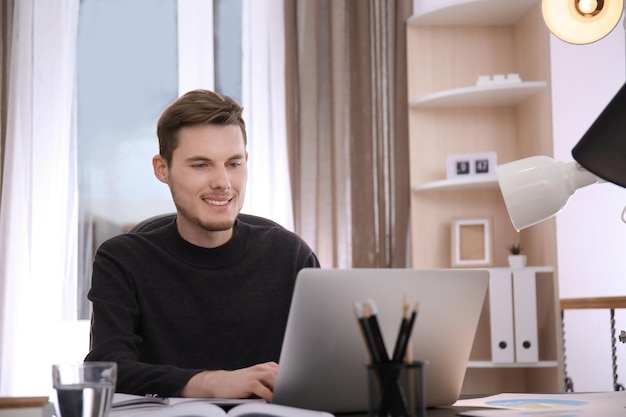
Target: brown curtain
(6, 17)
(347, 129)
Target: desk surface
(431, 412)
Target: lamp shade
(581, 21)
(602, 149)
(536, 188)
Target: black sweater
(165, 309)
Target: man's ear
(160, 168)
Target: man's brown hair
(197, 107)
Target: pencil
(366, 332)
(411, 324)
(371, 314)
(397, 351)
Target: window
(129, 70)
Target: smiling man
(197, 307)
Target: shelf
(489, 364)
(535, 269)
(473, 12)
(486, 182)
(494, 94)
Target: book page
(127, 401)
(274, 410)
(186, 409)
(125, 405)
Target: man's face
(207, 178)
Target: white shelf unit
(492, 94)
(494, 365)
(485, 373)
(450, 44)
(470, 12)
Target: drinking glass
(84, 389)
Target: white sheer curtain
(263, 43)
(38, 205)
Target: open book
(125, 405)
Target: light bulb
(589, 7)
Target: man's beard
(212, 226)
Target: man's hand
(257, 380)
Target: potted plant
(516, 258)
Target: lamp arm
(579, 177)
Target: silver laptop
(323, 358)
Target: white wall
(591, 238)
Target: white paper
(605, 404)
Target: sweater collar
(200, 257)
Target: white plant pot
(517, 261)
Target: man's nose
(220, 179)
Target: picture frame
(472, 242)
(471, 165)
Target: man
(198, 307)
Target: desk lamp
(537, 188)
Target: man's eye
(235, 164)
(200, 165)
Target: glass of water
(84, 389)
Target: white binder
(501, 312)
(525, 311)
